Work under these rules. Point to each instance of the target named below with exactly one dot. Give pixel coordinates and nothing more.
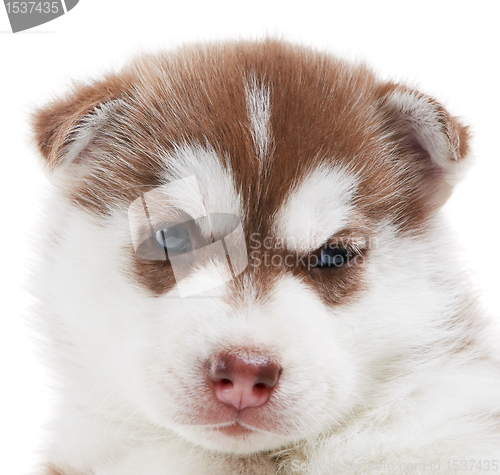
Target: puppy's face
(244, 247)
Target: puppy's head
(244, 244)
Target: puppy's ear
(64, 128)
(433, 144)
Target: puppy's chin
(233, 438)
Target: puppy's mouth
(234, 430)
(235, 437)
(239, 424)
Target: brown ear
(65, 127)
(433, 143)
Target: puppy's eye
(173, 239)
(333, 257)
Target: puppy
(246, 271)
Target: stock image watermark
(366, 466)
(24, 15)
(170, 223)
(338, 252)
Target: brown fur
(322, 110)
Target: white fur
(212, 173)
(316, 209)
(259, 113)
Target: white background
(448, 48)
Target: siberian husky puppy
(246, 271)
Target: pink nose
(243, 380)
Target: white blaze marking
(259, 113)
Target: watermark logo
(170, 223)
(396, 467)
(163, 227)
(24, 15)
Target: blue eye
(173, 239)
(333, 257)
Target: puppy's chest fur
(247, 271)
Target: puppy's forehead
(273, 138)
(256, 124)
(316, 204)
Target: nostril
(268, 375)
(261, 392)
(226, 384)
